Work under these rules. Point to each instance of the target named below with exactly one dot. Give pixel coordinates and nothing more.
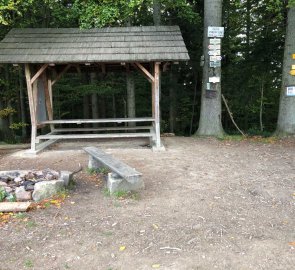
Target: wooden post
(48, 98)
(156, 105)
(32, 107)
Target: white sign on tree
(214, 31)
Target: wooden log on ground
(14, 206)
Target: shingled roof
(72, 45)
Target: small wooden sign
(215, 41)
(215, 52)
(214, 79)
(214, 47)
(292, 72)
(215, 58)
(215, 64)
(214, 31)
(290, 91)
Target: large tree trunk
(131, 111)
(157, 12)
(22, 102)
(210, 117)
(130, 96)
(286, 119)
(94, 98)
(173, 100)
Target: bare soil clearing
(208, 204)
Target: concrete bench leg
(115, 183)
(94, 164)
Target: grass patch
(101, 170)
(31, 224)
(106, 192)
(20, 215)
(126, 195)
(28, 264)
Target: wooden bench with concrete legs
(122, 178)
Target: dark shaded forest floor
(208, 204)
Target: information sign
(214, 41)
(214, 31)
(214, 47)
(290, 91)
(214, 79)
(215, 64)
(215, 52)
(215, 58)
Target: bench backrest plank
(113, 164)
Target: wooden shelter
(48, 53)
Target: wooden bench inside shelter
(98, 159)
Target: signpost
(214, 34)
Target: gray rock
(47, 189)
(18, 179)
(66, 176)
(116, 183)
(8, 189)
(22, 195)
(3, 184)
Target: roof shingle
(117, 44)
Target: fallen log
(14, 206)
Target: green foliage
(28, 263)
(6, 112)
(16, 126)
(2, 194)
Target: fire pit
(27, 185)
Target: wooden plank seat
(98, 158)
(118, 128)
(93, 136)
(105, 120)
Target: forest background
(252, 59)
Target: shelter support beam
(156, 103)
(32, 107)
(60, 74)
(145, 72)
(38, 73)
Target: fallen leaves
(292, 244)
(122, 248)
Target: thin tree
(210, 117)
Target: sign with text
(293, 67)
(215, 52)
(214, 47)
(215, 41)
(214, 31)
(293, 55)
(292, 72)
(214, 79)
(215, 64)
(215, 58)
(290, 91)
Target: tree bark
(210, 116)
(172, 98)
(130, 96)
(286, 119)
(22, 102)
(157, 12)
(94, 99)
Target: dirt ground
(207, 204)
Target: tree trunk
(286, 119)
(131, 112)
(94, 99)
(172, 98)
(130, 96)
(22, 102)
(210, 117)
(157, 12)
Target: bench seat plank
(94, 136)
(106, 120)
(113, 164)
(101, 129)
